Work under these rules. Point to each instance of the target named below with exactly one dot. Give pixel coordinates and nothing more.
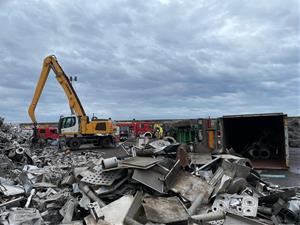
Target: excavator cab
(69, 125)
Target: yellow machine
(75, 129)
(158, 130)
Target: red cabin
(48, 133)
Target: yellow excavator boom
(75, 129)
(50, 62)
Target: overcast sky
(152, 59)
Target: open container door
(260, 137)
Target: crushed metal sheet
(233, 169)
(136, 205)
(19, 216)
(217, 176)
(139, 162)
(84, 201)
(9, 190)
(116, 211)
(222, 185)
(165, 210)
(152, 178)
(159, 145)
(199, 158)
(156, 176)
(190, 186)
(209, 164)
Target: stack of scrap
(170, 184)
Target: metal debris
(171, 184)
(165, 210)
(244, 205)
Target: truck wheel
(106, 142)
(74, 143)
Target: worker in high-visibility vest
(158, 131)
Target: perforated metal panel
(101, 178)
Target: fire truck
(134, 129)
(46, 133)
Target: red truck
(48, 133)
(134, 129)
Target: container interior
(259, 138)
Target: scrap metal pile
(157, 182)
(294, 132)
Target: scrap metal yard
(157, 112)
(142, 181)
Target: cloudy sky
(152, 59)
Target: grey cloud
(145, 59)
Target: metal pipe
(20, 151)
(11, 201)
(209, 216)
(265, 210)
(110, 163)
(86, 189)
(32, 192)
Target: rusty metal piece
(182, 155)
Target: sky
(153, 59)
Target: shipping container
(262, 138)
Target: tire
(106, 142)
(74, 143)
(170, 139)
(147, 134)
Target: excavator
(76, 129)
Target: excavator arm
(50, 62)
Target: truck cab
(69, 125)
